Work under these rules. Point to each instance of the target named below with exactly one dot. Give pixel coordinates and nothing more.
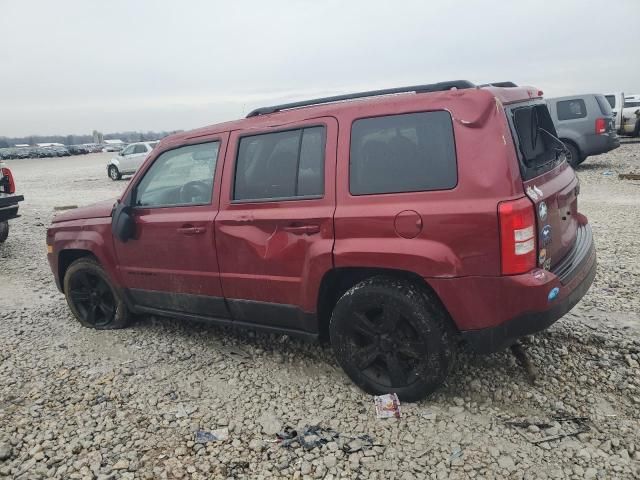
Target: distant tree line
(127, 137)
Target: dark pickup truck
(8, 201)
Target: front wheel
(114, 173)
(4, 231)
(389, 335)
(92, 297)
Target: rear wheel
(389, 335)
(114, 173)
(636, 131)
(4, 231)
(573, 155)
(93, 299)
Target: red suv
(396, 222)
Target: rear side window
(605, 108)
(612, 100)
(571, 109)
(631, 103)
(276, 165)
(402, 153)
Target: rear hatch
(609, 117)
(548, 180)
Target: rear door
(274, 231)
(548, 180)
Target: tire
(93, 298)
(636, 131)
(573, 156)
(114, 173)
(4, 231)
(390, 335)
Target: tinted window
(605, 108)
(571, 109)
(402, 153)
(280, 165)
(612, 100)
(183, 176)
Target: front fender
(90, 235)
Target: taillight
(601, 125)
(517, 236)
(6, 181)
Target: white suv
(129, 159)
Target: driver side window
(127, 151)
(179, 177)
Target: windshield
(536, 142)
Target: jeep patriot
(396, 223)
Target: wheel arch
(67, 257)
(337, 281)
(574, 143)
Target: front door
(274, 231)
(171, 262)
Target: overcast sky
(71, 66)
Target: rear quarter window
(612, 100)
(571, 109)
(402, 153)
(605, 108)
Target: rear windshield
(611, 99)
(605, 108)
(535, 137)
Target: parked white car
(129, 159)
(616, 100)
(631, 115)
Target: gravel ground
(77, 403)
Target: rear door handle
(191, 230)
(302, 229)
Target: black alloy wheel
(390, 335)
(92, 298)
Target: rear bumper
(9, 207)
(493, 312)
(597, 144)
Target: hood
(95, 210)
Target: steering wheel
(195, 191)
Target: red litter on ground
(387, 406)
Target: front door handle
(191, 230)
(302, 229)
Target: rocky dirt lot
(77, 403)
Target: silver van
(585, 124)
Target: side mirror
(122, 222)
